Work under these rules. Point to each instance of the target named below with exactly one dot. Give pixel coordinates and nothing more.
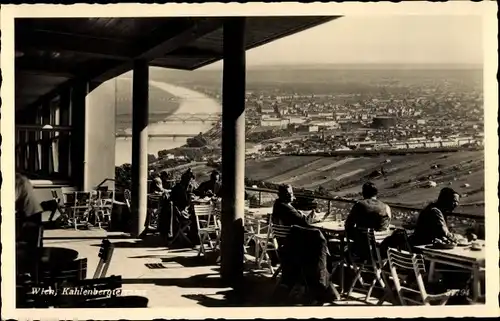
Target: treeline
(257, 137)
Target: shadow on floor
(191, 261)
(160, 255)
(196, 281)
(84, 237)
(146, 242)
(258, 291)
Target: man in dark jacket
(283, 211)
(211, 187)
(369, 212)
(431, 222)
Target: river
(190, 102)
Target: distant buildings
(274, 122)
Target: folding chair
(154, 208)
(412, 263)
(57, 202)
(94, 204)
(106, 200)
(105, 255)
(78, 208)
(275, 232)
(207, 226)
(372, 265)
(183, 225)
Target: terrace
(172, 276)
(55, 75)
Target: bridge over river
(191, 117)
(173, 136)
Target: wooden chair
(78, 207)
(207, 226)
(105, 255)
(270, 243)
(412, 263)
(104, 207)
(183, 226)
(57, 205)
(154, 208)
(372, 265)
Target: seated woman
(181, 197)
(157, 186)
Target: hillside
(402, 184)
(161, 103)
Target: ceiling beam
(55, 67)
(162, 41)
(51, 41)
(34, 67)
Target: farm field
(404, 181)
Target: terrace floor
(168, 278)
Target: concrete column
(64, 106)
(78, 105)
(140, 115)
(233, 152)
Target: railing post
(329, 207)
(260, 198)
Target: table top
(332, 226)
(198, 200)
(458, 253)
(259, 211)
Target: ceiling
(53, 52)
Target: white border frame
(485, 9)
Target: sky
(390, 39)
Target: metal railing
(340, 208)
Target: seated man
(210, 188)
(28, 209)
(283, 211)
(369, 212)
(431, 222)
(28, 222)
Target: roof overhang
(52, 53)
